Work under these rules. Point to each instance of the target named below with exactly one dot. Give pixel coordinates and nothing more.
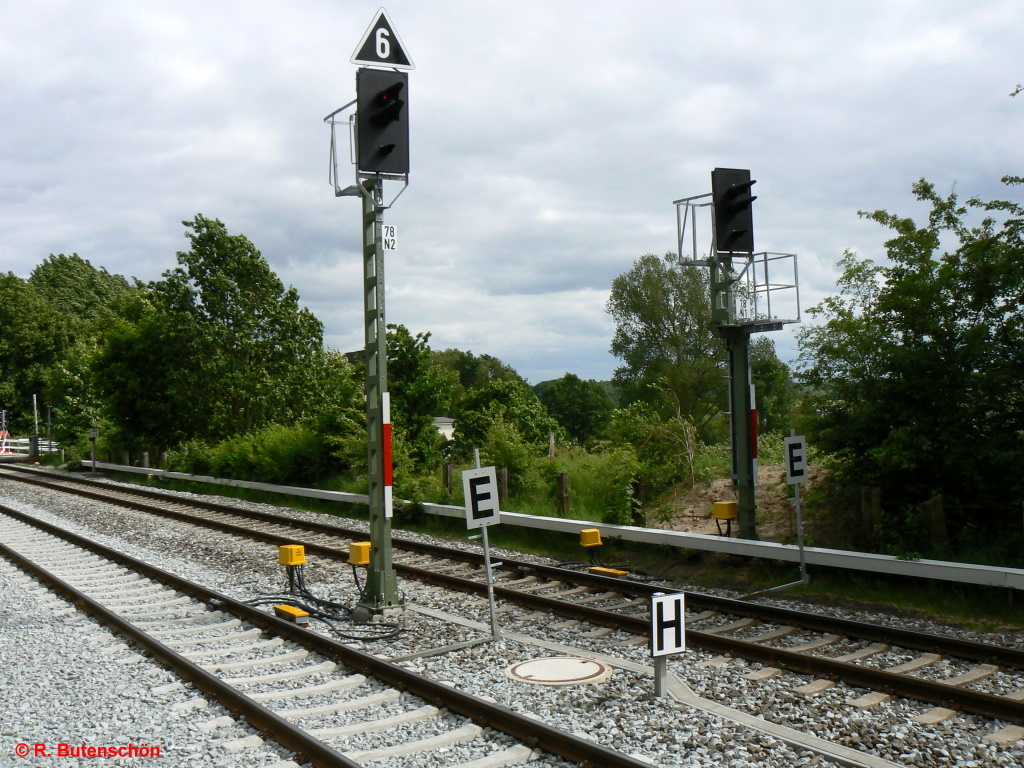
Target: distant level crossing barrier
(964, 573)
(23, 445)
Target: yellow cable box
(359, 553)
(590, 537)
(291, 554)
(724, 510)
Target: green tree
(420, 390)
(915, 367)
(473, 371)
(511, 402)
(91, 298)
(151, 379)
(91, 303)
(225, 349)
(667, 449)
(34, 339)
(670, 358)
(772, 387)
(581, 407)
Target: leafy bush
(667, 451)
(712, 462)
(287, 455)
(504, 446)
(601, 485)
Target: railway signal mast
(380, 130)
(747, 296)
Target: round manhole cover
(560, 670)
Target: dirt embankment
(776, 521)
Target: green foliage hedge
(287, 455)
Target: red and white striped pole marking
(754, 426)
(386, 435)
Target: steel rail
(938, 693)
(911, 639)
(260, 717)
(531, 732)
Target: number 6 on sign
(381, 45)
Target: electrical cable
(324, 610)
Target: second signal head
(734, 223)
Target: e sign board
(480, 487)
(796, 459)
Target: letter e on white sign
(480, 487)
(796, 459)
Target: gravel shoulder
(90, 694)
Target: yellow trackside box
(724, 510)
(359, 553)
(291, 554)
(602, 571)
(590, 537)
(291, 613)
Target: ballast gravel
(622, 713)
(66, 682)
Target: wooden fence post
(870, 508)
(502, 477)
(562, 494)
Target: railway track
(313, 695)
(953, 674)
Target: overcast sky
(549, 140)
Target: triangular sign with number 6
(381, 46)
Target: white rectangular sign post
(796, 459)
(480, 489)
(796, 473)
(795, 451)
(389, 237)
(668, 634)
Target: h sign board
(668, 617)
(480, 487)
(796, 459)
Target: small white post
(661, 676)
(800, 533)
(495, 629)
(798, 479)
